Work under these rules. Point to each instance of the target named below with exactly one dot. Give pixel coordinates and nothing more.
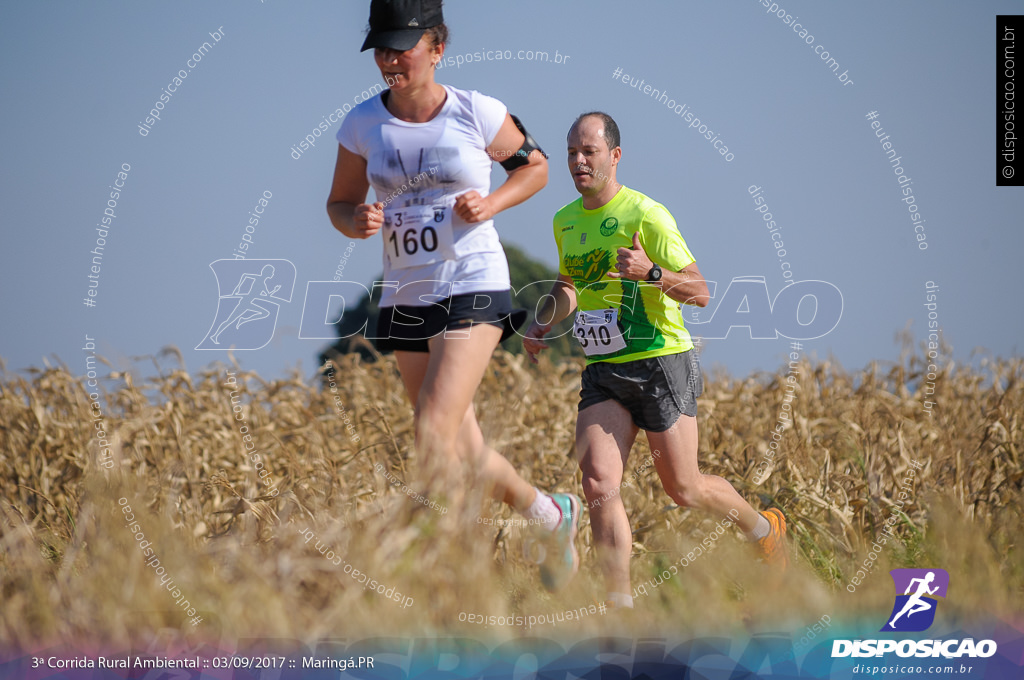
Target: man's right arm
(558, 304)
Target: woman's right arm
(345, 206)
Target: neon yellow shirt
(588, 241)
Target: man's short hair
(611, 129)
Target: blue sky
(80, 77)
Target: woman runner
(427, 150)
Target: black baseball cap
(399, 24)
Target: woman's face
(411, 67)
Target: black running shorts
(409, 328)
(655, 391)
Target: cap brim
(401, 40)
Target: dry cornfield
(235, 544)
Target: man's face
(591, 162)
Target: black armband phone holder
(520, 157)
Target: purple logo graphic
(916, 593)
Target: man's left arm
(685, 285)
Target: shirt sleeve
(557, 222)
(347, 136)
(662, 241)
(562, 269)
(490, 116)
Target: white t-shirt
(425, 166)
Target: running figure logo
(914, 610)
(247, 316)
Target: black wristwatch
(655, 274)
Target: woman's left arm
(523, 182)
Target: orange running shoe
(773, 546)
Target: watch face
(654, 274)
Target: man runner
(625, 266)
